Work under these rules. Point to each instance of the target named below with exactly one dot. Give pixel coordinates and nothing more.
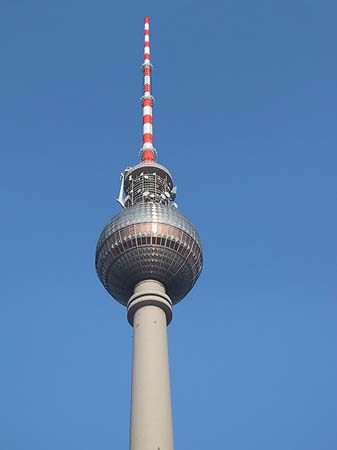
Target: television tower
(148, 258)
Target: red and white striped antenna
(147, 152)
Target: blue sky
(245, 119)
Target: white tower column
(149, 311)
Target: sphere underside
(148, 241)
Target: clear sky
(245, 119)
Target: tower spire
(147, 152)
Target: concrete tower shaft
(151, 416)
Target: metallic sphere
(148, 241)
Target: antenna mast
(147, 152)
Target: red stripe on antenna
(147, 155)
(147, 137)
(147, 102)
(147, 119)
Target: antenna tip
(146, 19)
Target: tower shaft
(151, 418)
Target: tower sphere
(148, 240)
